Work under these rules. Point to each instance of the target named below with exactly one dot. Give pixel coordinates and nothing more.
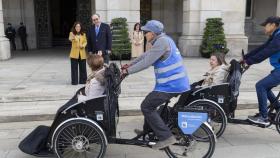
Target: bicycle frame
(272, 106)
(150, 143)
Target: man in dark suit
(10, 33)
(23, 35)
(99, 38)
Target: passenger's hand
(99, 53)
(79, 94)
(81, 46)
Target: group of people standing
(98, 40)
(11, 33)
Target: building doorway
(55, 18)
(62, 17)
(145, 14)
(145, 11)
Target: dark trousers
(106, 58)
(13, 44)
(24, 43)
(148, 108)
(82, 73)
(263, 88)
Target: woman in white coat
(137, 41)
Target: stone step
(45, 110)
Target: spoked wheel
(272, 114)
(201, 144)
(277, 120)
(79, 138)
(218, 119)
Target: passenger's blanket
(35, 142)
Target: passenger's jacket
(95, 85)
(270, 49)
(216, 76)
(76, 50)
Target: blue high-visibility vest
(170, 74)
(275, 58)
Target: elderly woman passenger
(218, 70)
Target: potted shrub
(121, 47)
(213, 38)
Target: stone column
(278, 8)
(5, 52)
(109, 9)
(195, 13)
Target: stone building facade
(48, 21)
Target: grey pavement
(238, 141)
(34, 84)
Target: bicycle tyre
(187, 150)
(218, 118)
(277, 120)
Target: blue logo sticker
(189, 122)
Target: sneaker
(258, 120)
(138, 131)
(164, 143)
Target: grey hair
(96, 15)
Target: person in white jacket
(96, 81)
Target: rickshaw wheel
(217, 116)
(79, 138)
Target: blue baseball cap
(153, 26)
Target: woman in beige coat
(137, 41)
(218, 70)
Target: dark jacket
(10, 33)
(22, 31)
(102, 42)
(269, 48)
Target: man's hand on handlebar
(125, 66)
(243, 64)
(124, 73)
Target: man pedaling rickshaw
(170, 75)
(270, 49)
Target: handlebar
(122, 77)
(244, 66)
